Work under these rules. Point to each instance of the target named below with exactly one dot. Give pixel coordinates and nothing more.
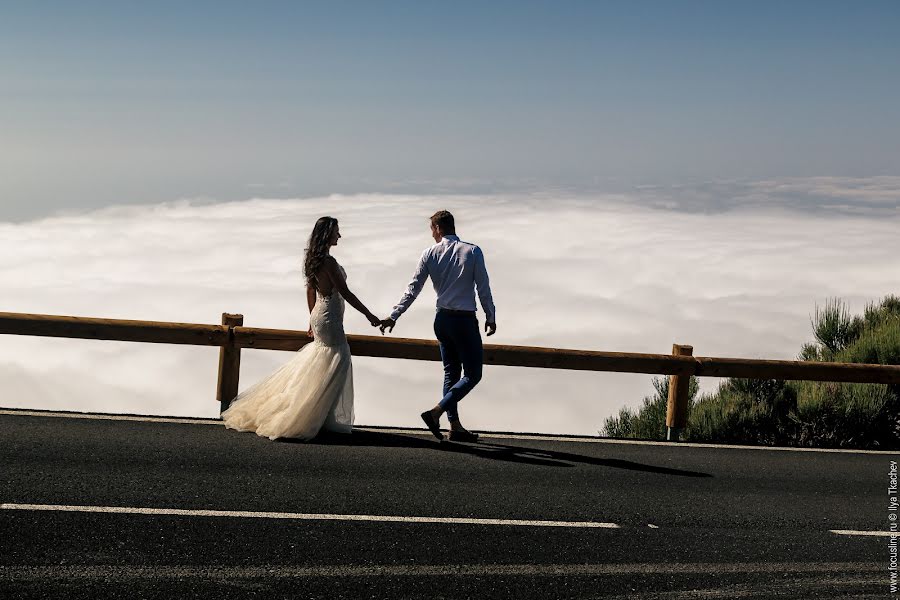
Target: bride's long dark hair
(317, 249)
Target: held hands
(382, 323)
(490, 328)
(387, 324)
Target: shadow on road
(505, 452)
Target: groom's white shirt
(456, 268)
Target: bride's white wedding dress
(312, 391)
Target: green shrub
(879, 344)
(796, 413)
(833, 327)
(845, 415)
(746, 411)
(649, 421)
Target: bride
(314, 389)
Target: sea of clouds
(733, 268)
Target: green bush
(848, 415)
(833, 327)
(649, 421)
(746, 411)
(795, 413)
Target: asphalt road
(631, 520)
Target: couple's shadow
(487, 449)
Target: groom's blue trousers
(462, 354)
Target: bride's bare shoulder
(330, 269)
(330, 265)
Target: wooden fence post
(679, 396)
(229, 363)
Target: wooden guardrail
(231, 336)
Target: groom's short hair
(443, 220)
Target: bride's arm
(340, 284)
(310, 297)
(311, 301)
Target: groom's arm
(483, 283)
(413, 289)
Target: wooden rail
(123, 330)
(679, 397)
(494, 354)
(231, 336)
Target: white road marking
(866, 533)
(305, 516)
(422, 432)
(118, 572)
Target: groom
(456, 268)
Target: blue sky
(109, 103)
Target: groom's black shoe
(433, 426)
(463, 436)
